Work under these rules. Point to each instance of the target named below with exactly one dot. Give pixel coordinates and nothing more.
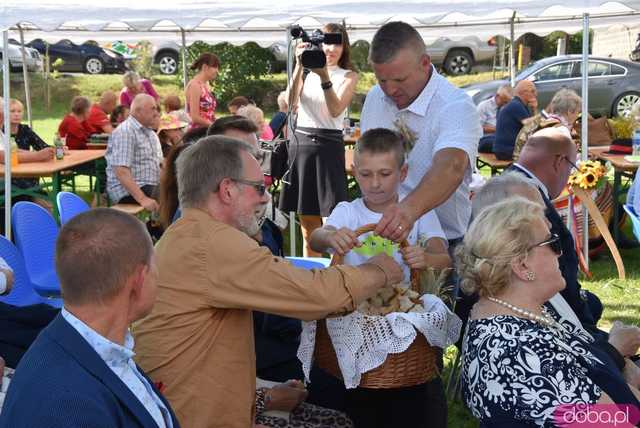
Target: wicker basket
(414, 366)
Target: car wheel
(458, 62)
(168, 63)
(624, 103)
(93, 65)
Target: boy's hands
(343, 240)
(414, 257)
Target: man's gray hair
(202, 167)
(499, 189)
(97, 252)
(392, 37)
(565, 101)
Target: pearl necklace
(545, 320)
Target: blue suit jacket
(61, 382)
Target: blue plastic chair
(35, 232)
(70, 205)
(309, 262)
(635, 220)
(22, 293)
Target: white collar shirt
(535, 179)
(442, 117)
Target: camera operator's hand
(299, 49)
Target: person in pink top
(200, 101)
(134, 85)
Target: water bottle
(59, 147)
(14, 151)
(635, 142)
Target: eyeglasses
(573, 165)
(260, 187)
(553, 242)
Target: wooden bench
(490, 160)
(133, 209)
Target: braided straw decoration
(414, 366)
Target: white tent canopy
(265, 23)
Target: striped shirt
(136, 147)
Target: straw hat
(168, 122)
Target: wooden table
(53, 169)
(490, 160)
(621, 168)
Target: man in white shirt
(439, 123)
(488, 111)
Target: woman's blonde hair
(130, 79)
(253, 113)
(500, 233)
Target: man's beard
(250, 223)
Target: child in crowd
(173, 106)
(379, 168)
(256, 115)
(74, 127)
(119, 115)
(236, 103)
(170, 132)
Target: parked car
(458, 57)
(86, 58)
(614, 84)
(32, 57)
(166, 56)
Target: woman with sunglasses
(521, 367)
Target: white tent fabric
(265, 23)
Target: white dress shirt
(442, 116)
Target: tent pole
(585, 126)
(25, 75)
(184, 59)
(6, 77)
(512, 63)
(292, 214)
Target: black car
(86, 58)
(614, 84)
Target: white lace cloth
(362, 342)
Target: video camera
(313, 56)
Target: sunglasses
(553, 242)
(260, 187)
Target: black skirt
(317, 178)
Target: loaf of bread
(395, 298)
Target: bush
(241, 70)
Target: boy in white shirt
(379, 168)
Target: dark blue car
(86, 58)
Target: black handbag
(273, 158)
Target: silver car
(458, 57)
(614, 84)
(32, 58)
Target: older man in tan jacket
(198, 340)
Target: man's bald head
(549, 154)
(145, 110)
(108, 101)
(526, 91)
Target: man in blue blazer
(79, 372)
